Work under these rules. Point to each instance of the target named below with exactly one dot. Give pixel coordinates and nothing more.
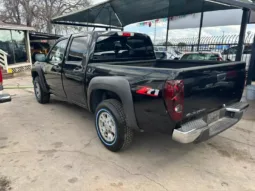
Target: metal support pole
(110, 18)
(251, 69)
(155, 29)
(168, 22)
(87, 21)
(244, 23)
(201, 25)
(167, 31)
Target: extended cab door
(74, 70)
(52, 68)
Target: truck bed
(178, 64)
(208, 86)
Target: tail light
(174, 98)
(1, 76)
(219, 59)
(126, 34)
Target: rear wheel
(111, 125)
(41, 96)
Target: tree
(11, 11)
(38, 13)
(182, 44)
(53, 8)
(167, 44)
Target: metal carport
(120, 13)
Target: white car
(165, 53)
(209, 56)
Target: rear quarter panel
(149, 106)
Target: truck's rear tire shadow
(144, 143)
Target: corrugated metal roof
(120, 13)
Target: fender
(37, 69)
(121, 87)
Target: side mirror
(176, 58)
(40, 57)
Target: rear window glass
(111, 48)
(200, 56)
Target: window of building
(14, 43)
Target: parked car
(160, 48)
(164, 55)
(3, 97)
(116, 76)
(209, 56)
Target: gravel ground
(55, 147)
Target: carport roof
(43, 36)
(120, 13)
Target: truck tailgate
(208, 88)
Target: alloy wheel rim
(107, 126)
(37, 90)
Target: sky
(161, 29)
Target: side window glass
(77, 49)
(58, 52)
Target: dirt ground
(54, 147)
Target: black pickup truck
(116, 76)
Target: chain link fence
(225, 44)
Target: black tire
(40, 95)
(124, 134)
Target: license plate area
(212, 117)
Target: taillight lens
(174, 98)
(1, 76)
(219, 59)
(126, 34)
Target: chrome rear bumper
(5, 98)
(199, 130)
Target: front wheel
(41, 96)
(111, 125)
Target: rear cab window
(117, 47)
